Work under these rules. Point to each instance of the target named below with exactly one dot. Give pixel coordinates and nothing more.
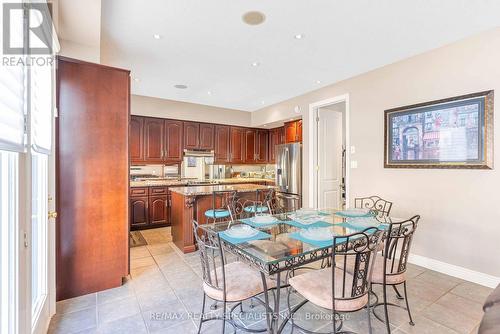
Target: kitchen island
(190, 203)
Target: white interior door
(330, 148)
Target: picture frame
(455, 132)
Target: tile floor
(163, 295)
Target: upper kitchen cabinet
(262, 146)
(237, 145)
(207, 136)
(293, 131)
(154, 129)
(173, 140)
(276, 137)
(222, 144)
(198, 136)
(136, 139)
(191, 135)
(250, 149)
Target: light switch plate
(354, 164)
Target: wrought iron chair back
(381, 206)
(261, 204)
(398, 243)
(220, 201)
(358, 251)
(282, 203)
(212, 258)
(236, 211)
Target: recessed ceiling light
(157, 36)
(318, 81)
(255, 64)
(265, 124)
(209, 93)
(137, 79)
(299, 36)
(263, 102)
(180, 86)
(253, 18)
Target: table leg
(266, 300)
(384, 286)
(276, 315)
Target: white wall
(460, 209)
(150, 106)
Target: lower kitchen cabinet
(139, 216)
(149, 207)
(158, 210)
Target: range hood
(199, 153)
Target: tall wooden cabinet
(262, 146)
(154, 130)
(293, 131)
(276, 137)
(222, 141)
(173, 140)
(92, 176)
(237, 145)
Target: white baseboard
(455, 271)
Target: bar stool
(220, 205)
(261, 203)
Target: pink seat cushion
(242, 282)
(316, 286)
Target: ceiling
(206, 45)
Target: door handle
(52, 214)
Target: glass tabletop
(295, 238)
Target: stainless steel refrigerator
(289, 169)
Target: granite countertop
(208, 190)
(173, 183)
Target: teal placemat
(235, 241)
(251, 222)
(317, 243)
(346, 215)
(319, 223)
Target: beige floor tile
(76, 304)
(450, 318)
(425, 326)
(133, 324)
(472, 291)
(440, 280)
(162, 248)
(119, 309)
(462, 305)
(139, 252)
(112, 295)
(74, 322)
(142, 262)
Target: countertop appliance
(289, 168)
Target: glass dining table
(276, 244)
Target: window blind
(41, 108)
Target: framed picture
(452, 133)
(191, 161)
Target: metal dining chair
(398, 241)
(282, 203)
(375, 203)
(261, 203)
(225, 282)
(334, 288)
(219, 210)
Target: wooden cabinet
(250, 146)
(173, 140)
(262, 146)
(158, 210)
(237, 145)
(222, 146)
(198, 136)
(206, 136)
(154, 129)
(276, 137)
(139, 216)
(293, 131)
(191, 135)
(136, 139)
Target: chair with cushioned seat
(220, 202)
(261, 203)
(226, 282)
(350, 292)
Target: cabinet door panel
(191, 135)
(274, 139)
(173, 140)
(206, 136)
(139, 212)
(153, 133)
(222, 140)
(237, 145)
(157, 210)
(290, 132)
(299, 131)
(136, 139)
(250, 146)
(262, 146)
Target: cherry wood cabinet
(139, 216)
(237, 144)
(173, 140)
(276, 137)
(222, 144)
(293, 131)
(250, 148)
(191, 135)
(206, 140)
(154, 129)
(136, 139)
(92, 178)
(158, 210)
(262, 146)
